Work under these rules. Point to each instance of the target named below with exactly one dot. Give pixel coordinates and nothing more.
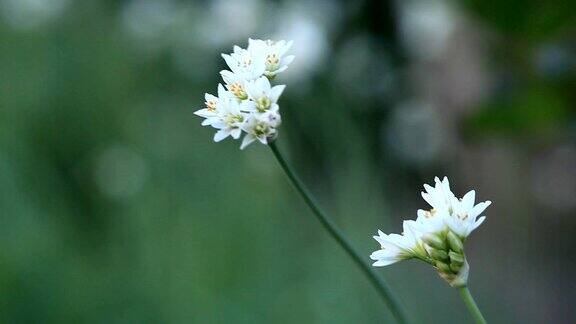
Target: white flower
(248, 102)
(263, 94)
(235, 83)
(273, 54)
(465, 215)
(395, 247)
(458, 215)
(436, 236)
(213, 103)
(257, 128)
(231, 117)
(246, 63)
(440, 197)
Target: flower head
(248, 102)
(437, 235)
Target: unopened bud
(438, 254)
(456, 258)
(443, 267)
(454, 242)
(434, 241)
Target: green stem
(337, 234)
(471, 304)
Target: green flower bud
(438, 254)
(443, 267)
(454, 242)
(434, 241)
(456, 258)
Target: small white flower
(440, 197)
(248, 102)
(235, 83)
(263, 94)
(231, 119)
(395, 247)
(459, 215)
(213, 103)
(245, 63)
(273, 54)
(436, 236)
(257, 128)
(465, 215)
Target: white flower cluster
(248, 102)
(437, 235)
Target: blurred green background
(117, 207)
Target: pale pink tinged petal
(263, 140)
(220, 135)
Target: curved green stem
(337, 234)
(471, 304)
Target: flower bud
(443, 267)
(434, 241)
(438, 254)
(454, 242)
(456, 258)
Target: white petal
(288, 59)
(236, 132)
(468, 200)
(478, 209)
(231, 62)
(479, 222)
(276, 91)
(220, 135)
(248, 139)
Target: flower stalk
(328, 224)
(471, 305)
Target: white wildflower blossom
(231, 117)
(257, 128)
(396, 247)
(213, 103)
(437, 235)
(274, 53)
(263, 94)
(245, 63)
(248, 102)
